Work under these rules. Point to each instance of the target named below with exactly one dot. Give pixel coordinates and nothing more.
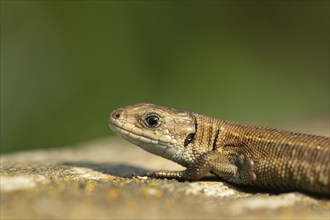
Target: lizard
(241, 154)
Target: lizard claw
(142, 177)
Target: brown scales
(238, 153)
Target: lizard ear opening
(189, 139)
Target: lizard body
(241, 154)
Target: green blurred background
(66, 64)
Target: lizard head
(163, 131)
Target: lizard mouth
(135, 135)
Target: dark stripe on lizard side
(210, 135)
(196, 124)
(215, 140)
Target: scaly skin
(241, 154)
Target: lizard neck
(208, 131)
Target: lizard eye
(152, 121)
(189, 139)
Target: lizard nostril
(117, 113)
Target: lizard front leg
(211, 161)
(244, 164)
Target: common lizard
(241, 154)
